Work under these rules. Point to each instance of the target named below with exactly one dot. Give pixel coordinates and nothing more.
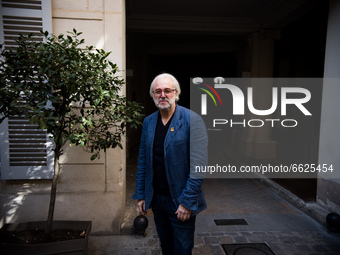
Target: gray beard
(168, 107)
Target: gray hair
(172, 78)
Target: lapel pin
(172, 129)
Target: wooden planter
(74, 247)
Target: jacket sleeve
(141, 166)
(198, 156)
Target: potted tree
(71, 92)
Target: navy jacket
(180, 158)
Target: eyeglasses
(158, 92)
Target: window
(26, 150)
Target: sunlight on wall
(101, 43)
(13, 207)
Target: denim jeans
(177, 237)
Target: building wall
(87, 190)
(328, 187)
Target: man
(173, 142)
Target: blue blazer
(180, 159)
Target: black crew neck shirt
(160, 182)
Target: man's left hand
(183, 213)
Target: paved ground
(271, 220)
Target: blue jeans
(177, 237)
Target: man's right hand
(141, 206)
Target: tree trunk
(53, 194)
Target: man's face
(164, 93)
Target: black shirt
(160, 181)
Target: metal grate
(247, 249)
(221, 222)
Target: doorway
(213, 40)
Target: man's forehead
(164, 81)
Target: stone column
(263, 52)
(257, 142)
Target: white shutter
(26, 150)
(23, 17)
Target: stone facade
(87, 190)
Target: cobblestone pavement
(280, 242)
(271, 220)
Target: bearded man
(173, 142)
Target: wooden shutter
(26, 150)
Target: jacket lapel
(152, 128)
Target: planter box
(74, 247)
